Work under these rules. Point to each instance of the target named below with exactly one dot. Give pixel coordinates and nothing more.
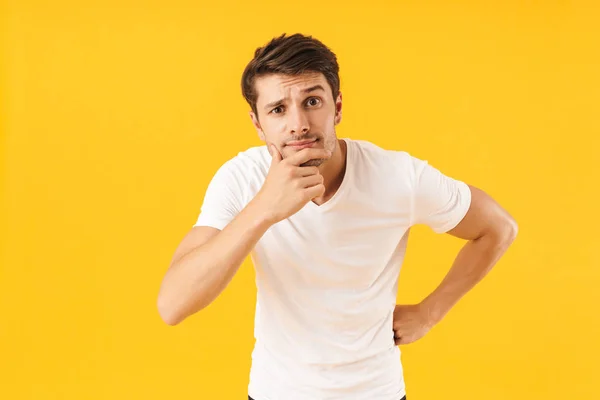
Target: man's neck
(333, 172)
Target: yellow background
(115, 115)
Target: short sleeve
(438, 201)
(223, 198)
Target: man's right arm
(206, 261)
(208, 258)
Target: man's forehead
(282, 85)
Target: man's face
(295, 112)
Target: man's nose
(298, 122)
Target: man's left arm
(490, 230)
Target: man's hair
(290, 55)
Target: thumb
(275, 155)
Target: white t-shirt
(327, 277)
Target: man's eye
(313, 101)
(276, 110)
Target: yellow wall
(116, 114)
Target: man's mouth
(301, 144)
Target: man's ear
(338, 109)
(257, 126)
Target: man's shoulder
(254, 159)
(371, 152)
(242, 174)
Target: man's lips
(300, 144)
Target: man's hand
(289, 186)
(411, 323)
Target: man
(326, 222)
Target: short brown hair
(290, 55)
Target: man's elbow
(167, 312)
(507, 230)
(513, 228)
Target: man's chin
(313, 163)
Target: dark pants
(250, 398)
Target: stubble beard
(313, 163)
(328, 144)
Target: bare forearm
(472, 264)
(198, 277)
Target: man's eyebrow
(274, 104)
(307, 90)
(313, 88)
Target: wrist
(262, 213)
(433, 310)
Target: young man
(326, 222)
